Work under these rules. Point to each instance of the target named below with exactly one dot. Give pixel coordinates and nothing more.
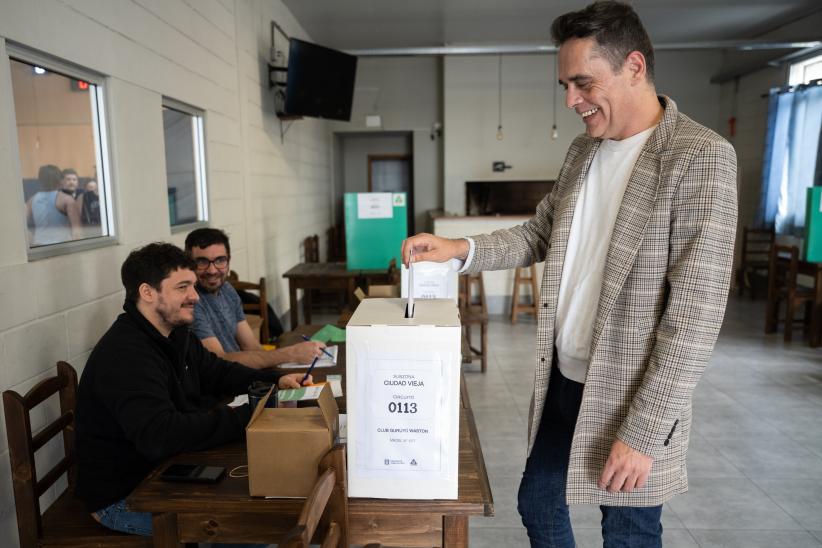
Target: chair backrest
(783, 266)
(29, 484)
(468, 297)
(336, 244)
(259, 308)
(327, 504)
(756, 246)
(312, 249)
(394, 274)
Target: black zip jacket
(144, 397)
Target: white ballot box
(432, 280)
(403, 391)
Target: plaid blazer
(663, 297)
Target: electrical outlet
(500, 166)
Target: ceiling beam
(511, 49)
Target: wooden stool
(516, 306)
(474, 311)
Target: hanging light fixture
(499, 96)
(554, 132)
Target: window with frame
(803, 72)
(61, 130)
(185, 165)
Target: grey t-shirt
(217, 315)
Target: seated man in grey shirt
(219, 321)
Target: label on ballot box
(403, 400)
(401, 425)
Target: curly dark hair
(616, 28)
(204, 237)
(151, 264)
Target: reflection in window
(185, 164)
(60, 135)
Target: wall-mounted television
(320, 81)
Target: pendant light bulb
(499, 133)
(554, 132)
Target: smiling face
(607, 101)
(175, 300)
(212, 266)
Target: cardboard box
(377, 291)
(403, 399)
(285, 446)
(383, 291)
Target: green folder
(329, 333)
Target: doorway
(374, 162)
(393, 173)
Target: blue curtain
(791, 154)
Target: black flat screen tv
(320, 81)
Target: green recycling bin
(376, 223)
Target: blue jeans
(542, 490)
(117, 517)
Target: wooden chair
(517, 307)
(259, 309)
(327, 504)
(66, 523)
(754, 259)
(474, 311)
(336, 244)
(782, 286)
(311, 245)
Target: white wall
(356, 147)
(210, 54)
(471, 114)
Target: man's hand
(304, 352)
(292, 380)
(427, 247)
(625, 470)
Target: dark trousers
(542, 490)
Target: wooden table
(226, 513)
(326, 276)
(812, 270)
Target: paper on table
(323, 361)
(329, 333)
(299, 394)
(336, 384)
(242, 399)
(343, 427)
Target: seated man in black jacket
(150, 390)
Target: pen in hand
(310, 368)
(323, 350)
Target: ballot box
(431, 280)
(403, 391)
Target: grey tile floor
(755, 461)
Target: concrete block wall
(267, 193)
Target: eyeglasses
(219, 263)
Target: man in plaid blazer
(637, 269)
